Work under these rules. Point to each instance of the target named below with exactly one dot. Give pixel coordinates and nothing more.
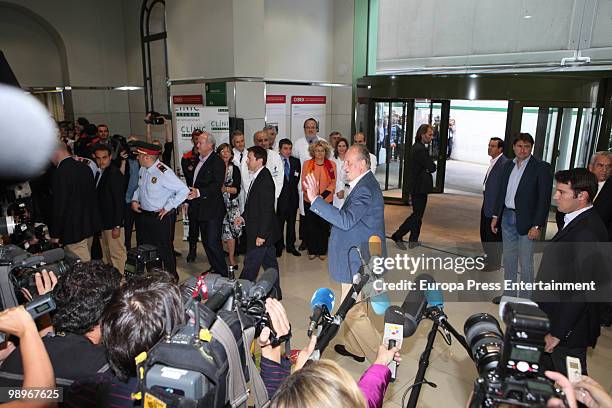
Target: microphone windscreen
(380, 303)
(28, 135)
(323, 297)
(394, 315)
(375, 244)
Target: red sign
(276, 98)
(308, 100)
(188, 100)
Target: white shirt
(570, 216)
(277, 169)
(491, 164)
(236, 159)
(353, 183)
(513, 182)
(373, 163)
(340, 183)
(600, 185)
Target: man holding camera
(74, 348)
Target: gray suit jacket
(492, 187)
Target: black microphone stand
(438, 317)
(331, 325)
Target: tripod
(438, 317)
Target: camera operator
(134, 322)
(38, 372)
(74, 349)
(154, 118)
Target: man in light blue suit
(361, 217)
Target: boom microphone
(264, 284)
(322, 302)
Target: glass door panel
(390, 135)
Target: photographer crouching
(74, 348)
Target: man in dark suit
(601, 167)
(75, 209)
(522, 203)
(207, 201)
(420, 184)
(110, 185)
(259, 218)
(288, 201)
(491, 242)
(575, 254)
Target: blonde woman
(316, 229)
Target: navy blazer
(492, 186)
(361, 216)
(532, 200)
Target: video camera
(37, 307)
(156, 118)
(18, 223)
(509, 365)
(18, 268)
(207, 362)
(141, 260)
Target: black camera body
(140, 260)
(510, 365)
(156, 118)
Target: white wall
(299, 39)
(92, 33)
(442, 33)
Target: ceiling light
(128, 88)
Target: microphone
(435, 298)
(264, 284)
(414, 305)
(378, 299)
(322, 302)
(393, 334)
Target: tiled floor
(449, 218)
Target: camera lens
(484, 336)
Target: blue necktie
(287, 168)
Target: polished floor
(450, 218)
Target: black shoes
(191, 257)
(294, 252)
(496, 300)
(413, 244)
(177, 253)
(340, 349)
(399, 243)
(302, 246)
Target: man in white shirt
(239, 160)
(360, 138)
(274, 164)
(300, 151)
(272, 132)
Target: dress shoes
(399, 243)
(294, 252)
(340, 349)
(302, 246)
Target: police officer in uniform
(189, 162)
(158, 195)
